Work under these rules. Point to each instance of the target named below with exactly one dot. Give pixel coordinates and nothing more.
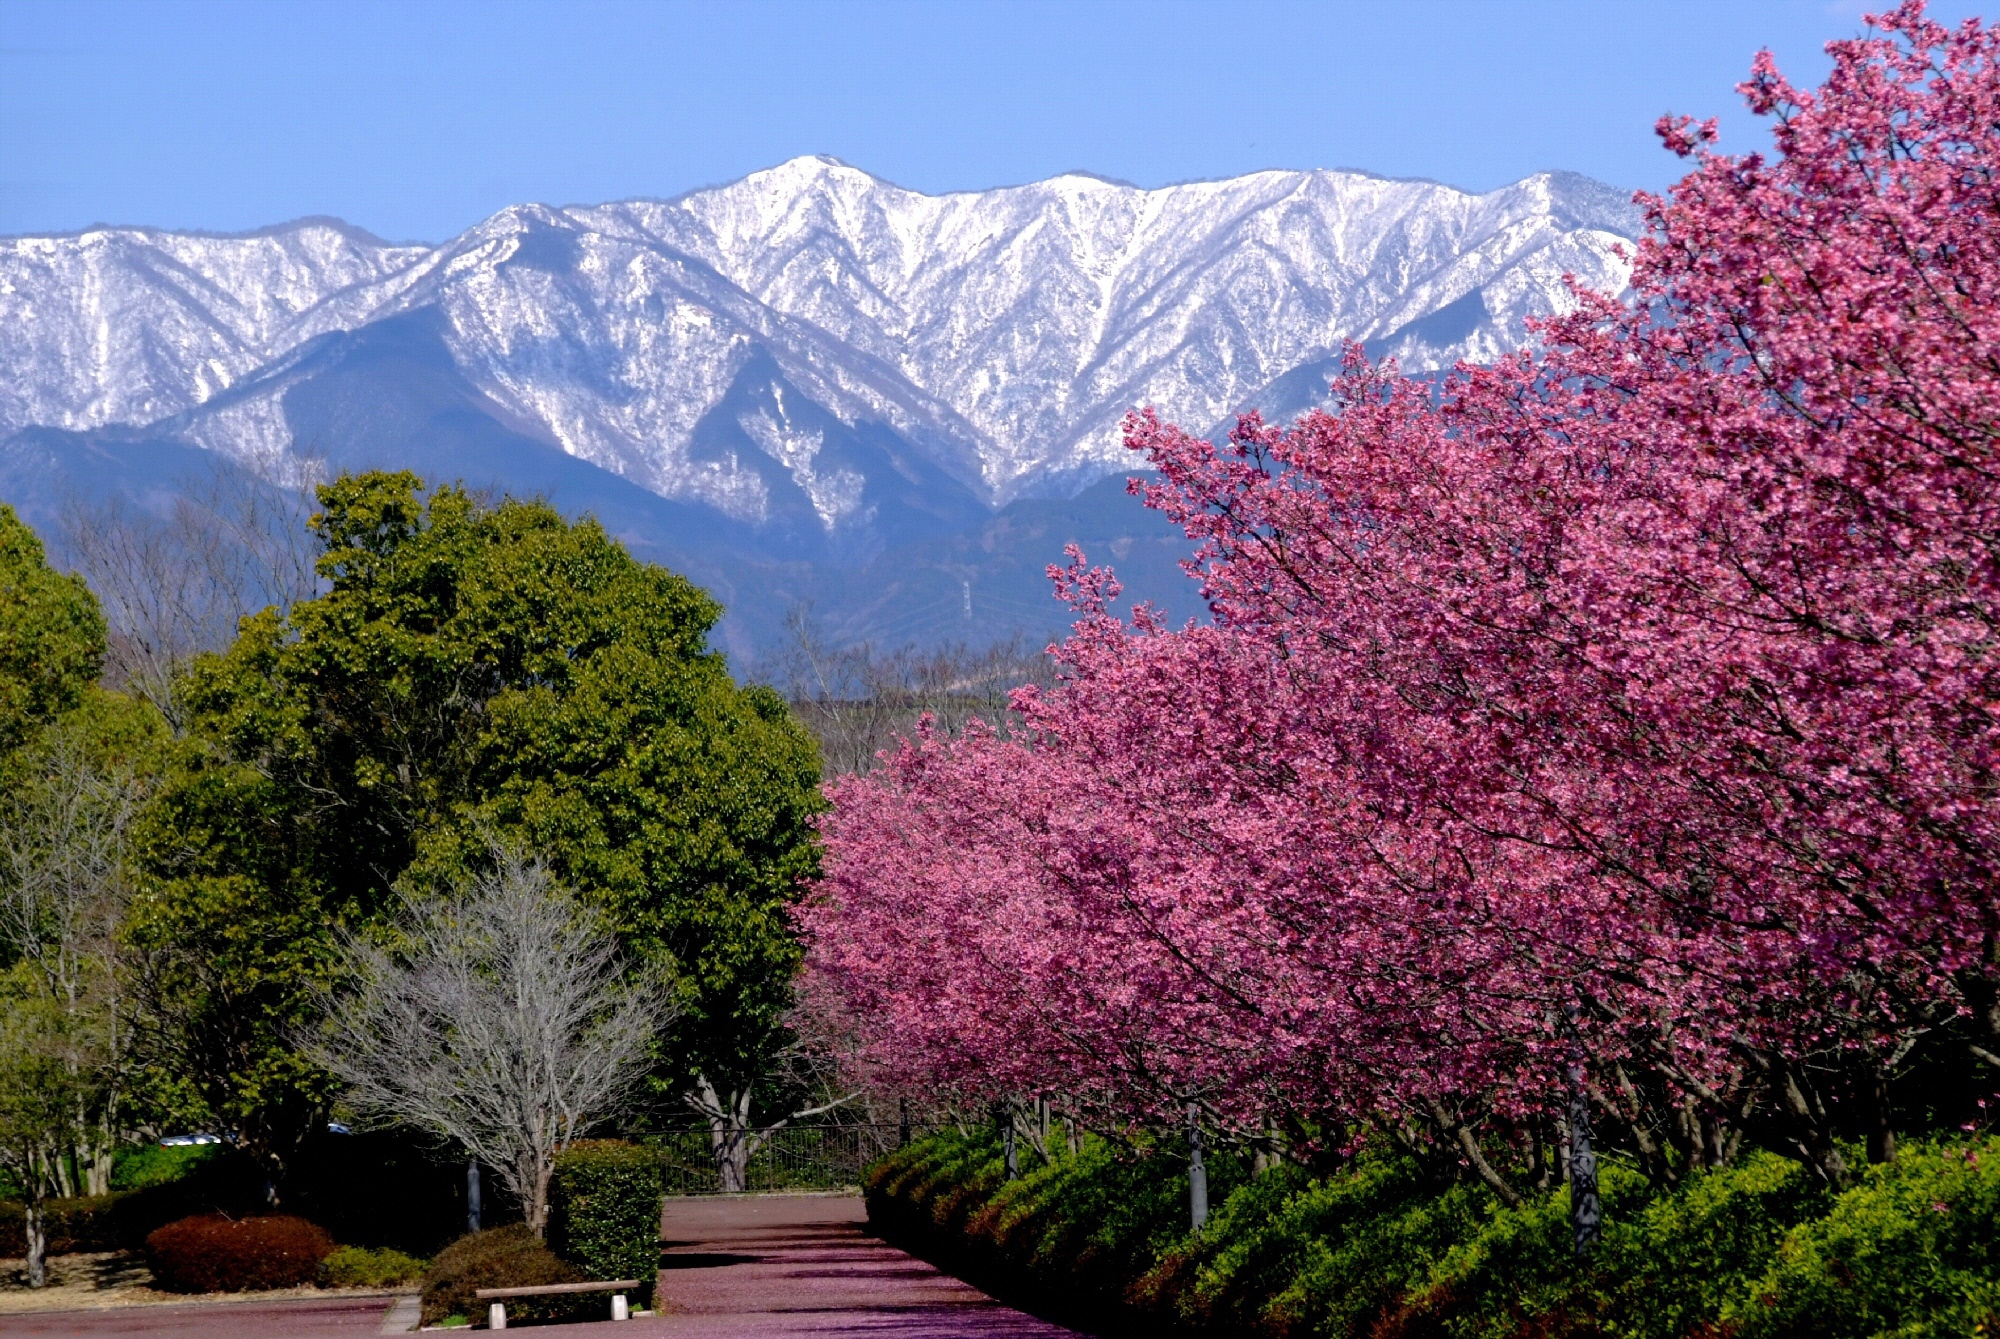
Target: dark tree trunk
(1586, 1215)
(1197, 1172)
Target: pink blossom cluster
(1631, 702)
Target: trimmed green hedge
(1068, 1238)
(361, 1267)
(1758, 1250)
(604, 1211)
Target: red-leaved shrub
(214, 1253)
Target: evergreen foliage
(605, 1211)
(474, 674)
(51, 634)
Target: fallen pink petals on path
(803, 1264)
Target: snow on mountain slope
(1000, 334)
(129, 325)
(1042, 312)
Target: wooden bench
(496, 1312)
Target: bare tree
(857, 700)
(505, 1021)
(38, 1102)
(64, 827)
(175, 585)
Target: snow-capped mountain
(819, 363)
(1002, 333)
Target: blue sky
(417, 119)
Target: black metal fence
(793, 1157)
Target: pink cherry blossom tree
(1628, 705)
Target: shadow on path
(758, 1265)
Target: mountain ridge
(830, 366)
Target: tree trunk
(1453, 1128)
(537, 1207)
(1810, 1126)
(730, 1136)
(1881, 1130)
(1197, 1172)
(728, 1133)
(732, 1159)
(36, 1225)
(1586, 1214)
(99, 1180)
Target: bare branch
(505, 1022)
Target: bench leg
(496, 1316)
(620, 1310)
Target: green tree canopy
(51, 634)
(474, 674)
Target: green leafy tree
(474, 673)
(51, 634)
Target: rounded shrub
(501, 1257)
(214, 1253)
(604, 1211)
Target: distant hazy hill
(808, 384)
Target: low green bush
(1066, 1238)
(1666, 1266)
(1290, 1255)
(1761, 1249)
(360, 1267)
(1914, 1250)
(604, 1211)
(501, 1257)
(214, 1253)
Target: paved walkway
(757, 1266)
(774, 1265)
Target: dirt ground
(103, 1279)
